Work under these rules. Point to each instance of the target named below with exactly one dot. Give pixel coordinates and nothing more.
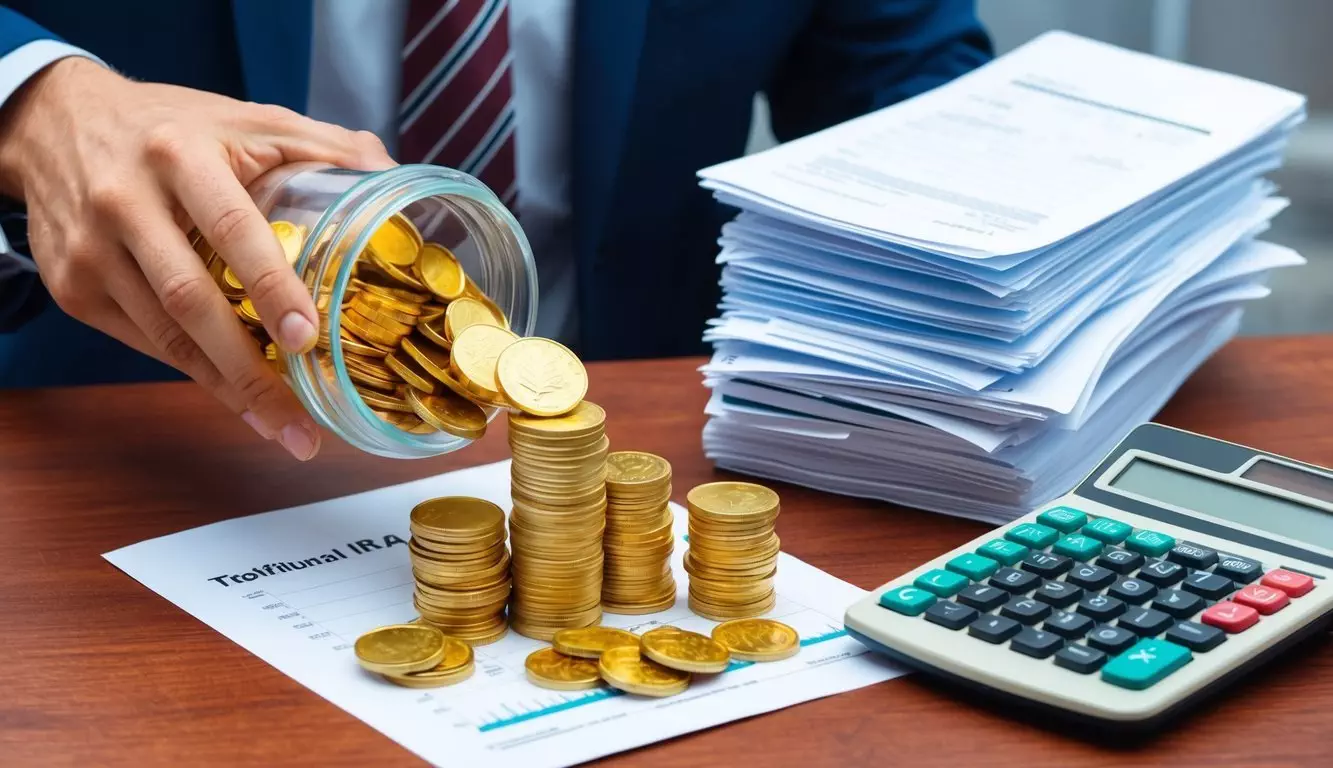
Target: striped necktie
(457, 106)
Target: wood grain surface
(98, 670)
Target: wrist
(30, 113)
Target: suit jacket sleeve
(855, 56)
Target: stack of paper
(961, 302)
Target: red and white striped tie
(457, 106)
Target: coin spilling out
(548, 668)
(625, 668)
(638, 541)
(401, 649)
(758, 639)
(541, 377)
(455, 667)
(733, 552)
(461, 567)
(685, 651)
(590, 642)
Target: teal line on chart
(608, 693)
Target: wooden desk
(98, 670)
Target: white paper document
(296, 587)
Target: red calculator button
(1294, 584)
(1230, 617)
(1265, 600)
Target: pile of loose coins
(461, 567)
(638, 542)
(733, 551)
(415, 656)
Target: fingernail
(296, 334)
(300, 440)
(257, 425)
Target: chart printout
(297, 586)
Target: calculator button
(1093, 577)
(1121, 561)
(1015, 581)
(1033, 535)
(1100, 607)
(1238, 569)
(993, 629)
(1080, 659)
(1230, 617)
(1145, 664)
(1078, 546)
(975, 567)
(1150, 543)
(1180, 604)
(1133, 591)
(1196, 637)
(1162, 573)
(909, 601)
(1294, 584)
(1111, 639)
(1063, 519)
(1026, 610)
(1210, 585)
(1106, 530)
(1058, 593)
(1035, 643)
(950, 615)
(1068, 624)
(941, 583)
(982, 597)
(1046, 564)
(1006, 552)
(1265, 600)
(1192, 555)
(1145, 621)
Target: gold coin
(394, 401)
(448, 412)
(433, 329)
(685, 651)
(547, 668)
(458, 517)
(246, 309)
(375, 307)
(389, 291)
(437, 268)
(400, 648)
(396, 242)
(431, 312)
(455, 667)
(626, 669)
(432, 360)
(392, 275)
(431, 679)
(408, 370)
(541, 377)
(357, 347)
(463, 313)
(758, 639)
(381, 319)
(474, 356)
(291, 237)
(586, 419)
(474, 291)
(368, 331)
(590, 642)
(732, 501)
(634, 469)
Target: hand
(112, 171)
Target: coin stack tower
(461, 567)
(733, 553)
(559, 491)
(638, 541)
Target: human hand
(113, 172)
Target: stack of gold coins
(638, 541)
(733, 553)
(461, 567)
(559, 492)
(415, 656)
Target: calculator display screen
(1230, 502)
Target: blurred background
(1283, 42)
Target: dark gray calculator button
(1192, 555)
(1133, 591)
(1080, 659)
(1013, 580)
(1196, 637)
(1092, 577)
(950, 615)
(1210, 585)
(1058, 593)
(1068, 624)
(1162, 573)
(1035, 643)
(1145, 621)
(1110, 639)
(1100, 607)
(994, 629)
(1046, 564)
(1238, 569)
(1026, 610)
(1121, 561)
(982, 597)
(1180, 604)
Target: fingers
(300, 138)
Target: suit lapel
(274, 40)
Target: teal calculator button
(1107, 530)
(1150, 543)
(1078, 546)
(1033, 535)
(1006, 552)
(975, 567)
(909, 601)
(1145, 664)
(942, 583)
(1063, 519)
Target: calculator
(1179, 564)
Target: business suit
(661, 89)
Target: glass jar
(337, 211)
